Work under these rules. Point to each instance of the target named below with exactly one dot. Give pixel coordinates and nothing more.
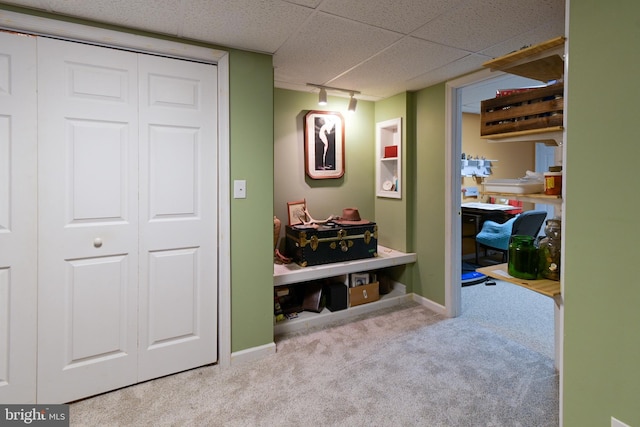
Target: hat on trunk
(351, 216)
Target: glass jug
(549, 251)
(523, 257)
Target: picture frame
(296, 212)
(324, 144)
(359, 279)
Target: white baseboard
(252, 354)
(433, 306)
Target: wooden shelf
(550, 288)
(543, 62)
(550, 136)
(529, 198)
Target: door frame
(453, 182)
(453, 245)
(37, 25)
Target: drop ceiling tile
(326, 47)
(258, 25)
(479, 24)
(402, 62)
(450, 71)
(162, 16)
(308, 3)
(402, 16)
(549, 30)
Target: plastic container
(553, 181)
(513, 186)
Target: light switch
(240, 189)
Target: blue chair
(495, 236)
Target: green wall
(601, 291)
(391, 214)
(428, 209)
(251, 134)
(357, 187)
(324, 197)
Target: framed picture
(324, 144)
(359, 279)
(297, 214)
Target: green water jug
(522, 257)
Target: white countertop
(284, 274)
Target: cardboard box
(364, 294)
(390, 151)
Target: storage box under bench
(363, 294)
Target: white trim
(433, 306)
(109, 38)
(453, 134)
(559, 301)
(253, 354)
(224, 216)
(78, 32)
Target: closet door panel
(18, 218)
(178, 215)
(88, 220)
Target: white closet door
(127, 218)
(18, 220)
(88, 220)
(178, 215)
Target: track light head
(322, 97)
(352, 104)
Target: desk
(550, 288)
(475, 214)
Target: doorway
(464, 95)
(453, 256)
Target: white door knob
(97, 242)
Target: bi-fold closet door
(18, 218)
(127, 218)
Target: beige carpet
(405, 366)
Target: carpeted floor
(405, 366)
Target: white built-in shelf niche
(389, 158)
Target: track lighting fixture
(352, 104)
(322, 96)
